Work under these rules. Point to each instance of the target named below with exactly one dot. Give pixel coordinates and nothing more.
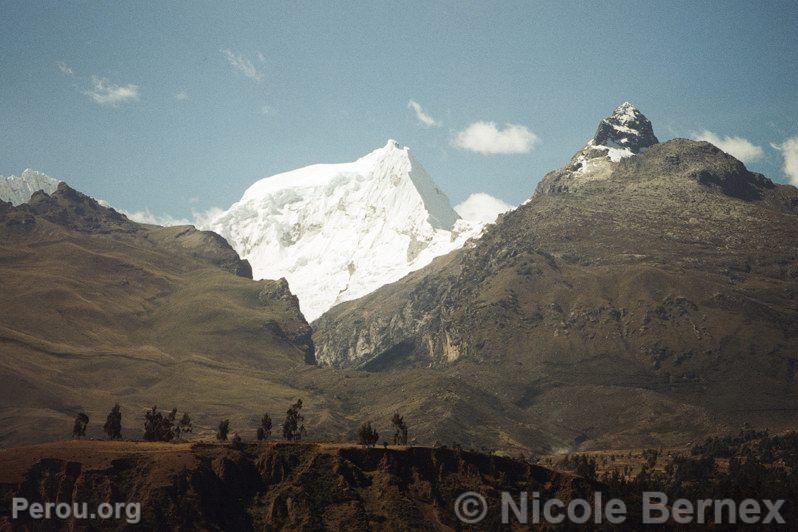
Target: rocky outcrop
(75, 211)
(301, 333)
(276, 486)
(625, 133)
(627, 128)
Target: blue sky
(180, 106)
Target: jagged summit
(626, 128)
(624, 133)
(339, 231)
(19, 189)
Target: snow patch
(339, 231)
(19, 189)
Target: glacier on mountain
(339, 231)
(19, 189)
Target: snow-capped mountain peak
(339, 231)
(627, 128)
(624, 133)
(19, 189)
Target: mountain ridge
(100, 309)
(19, 189)
(666, 280)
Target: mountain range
(645, 295)
(19, 189)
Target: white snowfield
(339, 231)
(19, 189)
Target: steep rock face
(19, 189)
(274, 486)
(669, 283)
(339, 231)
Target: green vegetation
(224, 428)
(294, 424)
(265, 428)
(366, 435)
(113, 423)
(79, 428)
(751, 464)
(400, 429)
(158, 427)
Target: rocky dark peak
(72, 209)
(624, 133)
(626, 127)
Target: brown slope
(647, 305)
(96, 309)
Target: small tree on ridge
(366, 435)
(224, 428)
(294, 424)
(265, 428)
(79, 428)
(113, 423)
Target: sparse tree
(185, 423)
(79, 428)
(224, 428)
(265, 428)
(113, 423)
(171, 417)
(237, 442)
(158, 427)
(400, 430)
(650, 456)
(366, 435)
(294, 424)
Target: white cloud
(64, 68)
(181, 96)
(260, 56)
(103, 92)
(200, 219)
(789, 150)
(738, 147)
(147, 217)
(203, 220)
(243, 65)
(422, 117)
(486, 138)
(481, 207)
